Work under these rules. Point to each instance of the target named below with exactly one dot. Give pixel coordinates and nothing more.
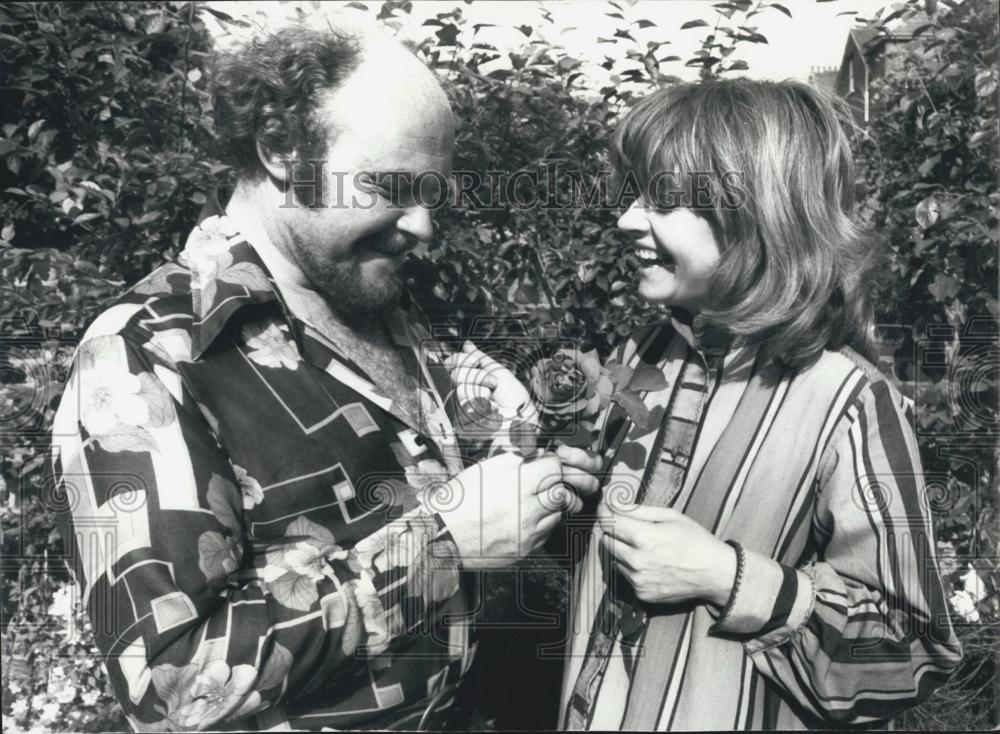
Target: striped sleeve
(862, 632)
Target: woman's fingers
(472, 357)
(468, 373)
(647, 513)
(473, 383)
(468, 392)
(622, 553)
(480, 357)
(620, 528)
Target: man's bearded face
(352, 245)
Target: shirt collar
(226, 275)
(715, 346)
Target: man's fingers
(549, 523)
(542, 473)
(560, 497)
(575, 504)
(587, 461)
(585, 484)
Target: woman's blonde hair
(777, 179)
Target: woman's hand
(667, 556)
(475, 374)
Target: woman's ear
(278, 166)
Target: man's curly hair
(269, 90)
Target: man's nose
(634, 219)
(416, 221)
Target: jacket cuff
(772, 602)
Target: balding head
(269, 92)
(390, 95)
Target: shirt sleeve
(862, 632)
(197, 626)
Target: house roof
(868, 40)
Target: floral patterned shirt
(247, 510)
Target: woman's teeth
(650, 257)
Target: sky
(814, 37)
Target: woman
(763, 556)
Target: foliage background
(107, 157)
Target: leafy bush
(929, 164)
(105, 128)
(107, 157)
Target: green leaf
(524, 436)
(34, 129)
(986, 83)
(782, 8)
(647, 378)
(928, 165)
(620, 374)
(944, 287)
(147, 218)
(694, 24)
(927, 212)
(636, 410)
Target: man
(269, 512)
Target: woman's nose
(634, 218)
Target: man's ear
(277, 165)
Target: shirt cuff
(772, 603)
(442, 546)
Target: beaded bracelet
(741, 561)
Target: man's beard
(346, 290)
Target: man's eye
(390, 186)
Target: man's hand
(580, 470)
(476, 374)
(667, 556)
(501, 509)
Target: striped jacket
(840, 618)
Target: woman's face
(678, 251)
